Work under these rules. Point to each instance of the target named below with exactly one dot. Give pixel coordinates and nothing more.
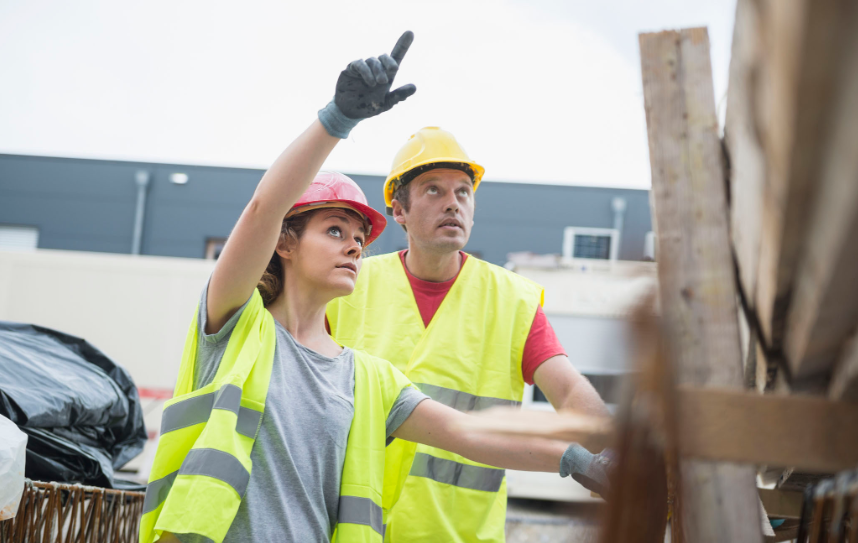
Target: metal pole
(142, 179)
(618, 204)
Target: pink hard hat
(335, 188)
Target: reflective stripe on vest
(462, 401)
(354, 510)
(454, 473)
(209, 462)
(198, 409)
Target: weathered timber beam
(696, 273)
(747, 162)
(844, 382)
(809, 433)
(823, 311)
(790, 101)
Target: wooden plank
(645, 479)
(747, 162)
(823, 312)
(696, 274)
(808, 433)
(795, 80)
(780, 503)
(638, 505)
(844, 382)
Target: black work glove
(363, 90)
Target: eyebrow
(343, 218)
(430, 179)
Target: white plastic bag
(13, 451)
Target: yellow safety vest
(469, 358)
(202, 465)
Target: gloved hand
(363, 90)
(590, 470)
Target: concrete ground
(537, 521)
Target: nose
(452, 202)
(354, 249)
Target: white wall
(136, 309)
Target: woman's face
(327, 257)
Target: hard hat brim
(376, 220)
(393, 181)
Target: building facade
(187, 211)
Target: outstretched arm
(363, 91)
(434, 424)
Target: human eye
(335, 231)
(360, 241)
(432, 190)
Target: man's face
(441, 213)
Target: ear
(399, 212)
(285, 246)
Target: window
(596, 243)
(18, 238)
(214, 246)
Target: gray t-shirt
(294, 488)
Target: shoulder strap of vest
(522, 284)
(253, 327)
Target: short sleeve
(408, 399)
(541, 344)
(210, 347)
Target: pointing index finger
(402, 46)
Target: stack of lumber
(792, 140)
(791, 137)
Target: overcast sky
(537, 91)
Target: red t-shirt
(541, 344)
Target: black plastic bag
(80, 410)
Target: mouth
(349, 266)
(450, 223)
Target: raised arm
(255, 235)
(363, 91)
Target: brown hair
(402, 194)
(271, 283)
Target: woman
(276, 431)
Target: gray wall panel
(89, 205)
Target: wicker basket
(63, 513)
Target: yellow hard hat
(428, 149)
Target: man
(469, 334)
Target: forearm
(583, 397)
(437, 425)
(294, 170)
(567, 389)
(254, 238)
(511, 452)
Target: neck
(301, 310)
(432, 266)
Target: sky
(545, 91)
